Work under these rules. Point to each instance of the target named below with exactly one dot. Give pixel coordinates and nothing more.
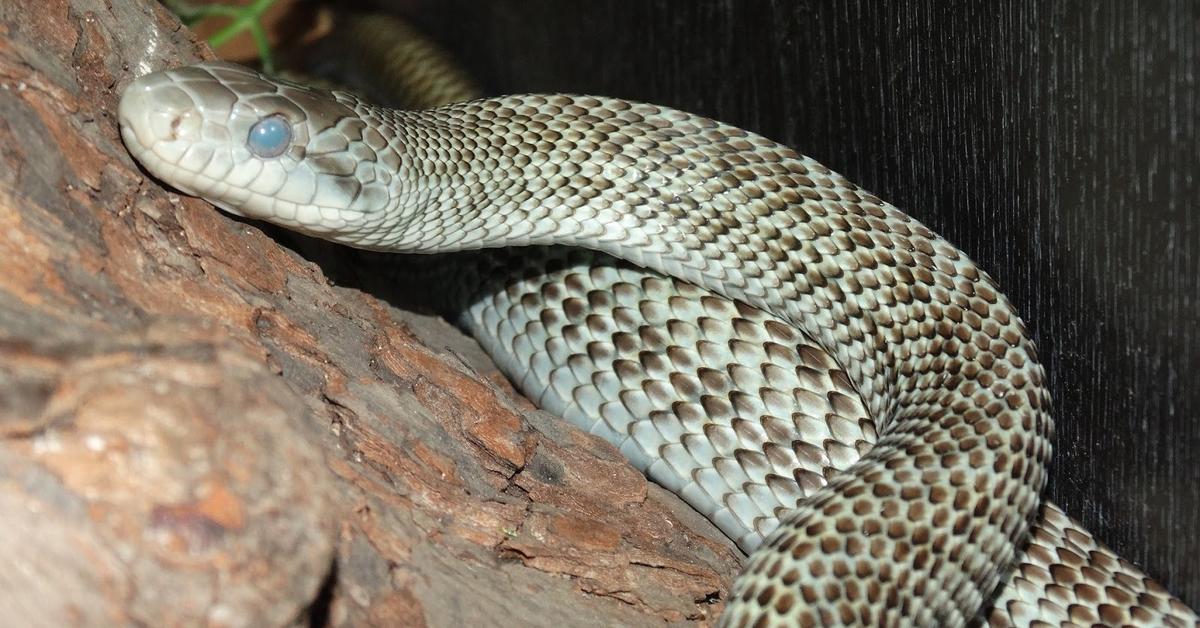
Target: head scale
(262, 148)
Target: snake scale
(838, 389)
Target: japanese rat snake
(838, 389)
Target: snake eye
(270, 136)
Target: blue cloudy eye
(269, 137)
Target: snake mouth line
(234, 199)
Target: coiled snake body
(738, 319)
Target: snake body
(836, 387)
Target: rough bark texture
(196, 427)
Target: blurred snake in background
(838, 389)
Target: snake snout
(154, 110)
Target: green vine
(241, 18)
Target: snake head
(257, 147)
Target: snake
(838, 389)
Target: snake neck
(714, 205)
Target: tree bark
(197, 427)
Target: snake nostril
(181, 124)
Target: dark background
(1056, 143)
